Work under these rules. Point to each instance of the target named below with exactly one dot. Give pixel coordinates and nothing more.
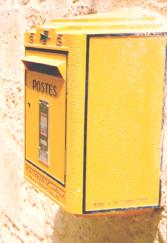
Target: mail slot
(94, 98)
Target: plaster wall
(27, 215)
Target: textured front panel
(37, 91)
(125, 100)
(45, 126)
(75, 122)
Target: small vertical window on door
(43, 131)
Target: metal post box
(94, 98)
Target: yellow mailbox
(94, 111)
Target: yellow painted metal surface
(124, 122)
(94, 109)
(48, 85)
(75, 123)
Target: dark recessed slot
(42, 68)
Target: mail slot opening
(45, 65)
(41, 68)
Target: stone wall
(27, 215)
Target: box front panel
(45, 118)
(124, 120)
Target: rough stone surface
(27, 215)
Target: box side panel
(125, 101)
(75, 121)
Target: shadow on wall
(115, 229)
